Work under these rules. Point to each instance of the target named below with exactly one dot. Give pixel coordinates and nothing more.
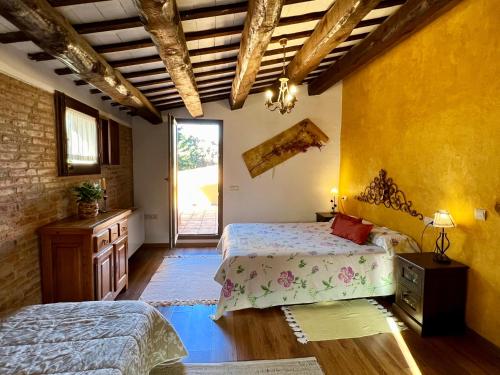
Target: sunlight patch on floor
(404, 348)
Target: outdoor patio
(198, 220)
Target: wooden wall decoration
(283, 146)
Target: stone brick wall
(31, 193)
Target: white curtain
(81, 131)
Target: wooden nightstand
(322, 217)
(430, 297)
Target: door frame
(220, 199)
(172, 181)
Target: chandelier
(286, 96)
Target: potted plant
(87, 195)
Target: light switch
(480, 214)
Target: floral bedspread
(91, 338)
(283, 264)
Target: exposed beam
(161, 19)
(144, 43)
(412, 16)
(334, 28)
(126, 46)
(204, 88)
(53, 33)
(156, 58)
(217, 72)
(213, 97)
(63, 3)
(223, 10)
(132, 22)
(262, 18)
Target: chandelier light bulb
(285, 98)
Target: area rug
(339, 320)
(184, 280)
(296, 366)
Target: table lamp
(443, 220)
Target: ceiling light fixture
(286, 96)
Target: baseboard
(186, 245)
(156, 245)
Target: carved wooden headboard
(383, 190)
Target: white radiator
(135, 231)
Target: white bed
(91, 338)
(294, 263)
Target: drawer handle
(104, 242)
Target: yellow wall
(428, 111)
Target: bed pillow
(356, 232)
(393, 241)
(341, 219)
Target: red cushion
(341, 219)
(355, 232)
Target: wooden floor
(263, 334)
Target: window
(77, 137)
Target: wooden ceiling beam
(214, 97)
(133, 22)
(127, 46)
(262, 18)
(203, 88)
(412, 16)
(334, 28)
(223, 10)
(55, 35)
(156, 58)
(161, 19)
(217, 72)
(65, 3)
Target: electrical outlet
(234, 187)
(428, 220)
(150, 216)
(480, 214)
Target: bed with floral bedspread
(268, 265)
(91, 338)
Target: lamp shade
(443, 219)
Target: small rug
(296, 366)
(184, 280)
(339, 320)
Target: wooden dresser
(85, 260)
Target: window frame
(62, 101)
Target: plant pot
(88, 210)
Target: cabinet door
(121, 264)
(104, 274)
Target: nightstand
(430, 297)
(322, 217)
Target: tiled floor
(198, 221)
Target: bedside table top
(330, 214)
(424, 260)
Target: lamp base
(441, 258)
